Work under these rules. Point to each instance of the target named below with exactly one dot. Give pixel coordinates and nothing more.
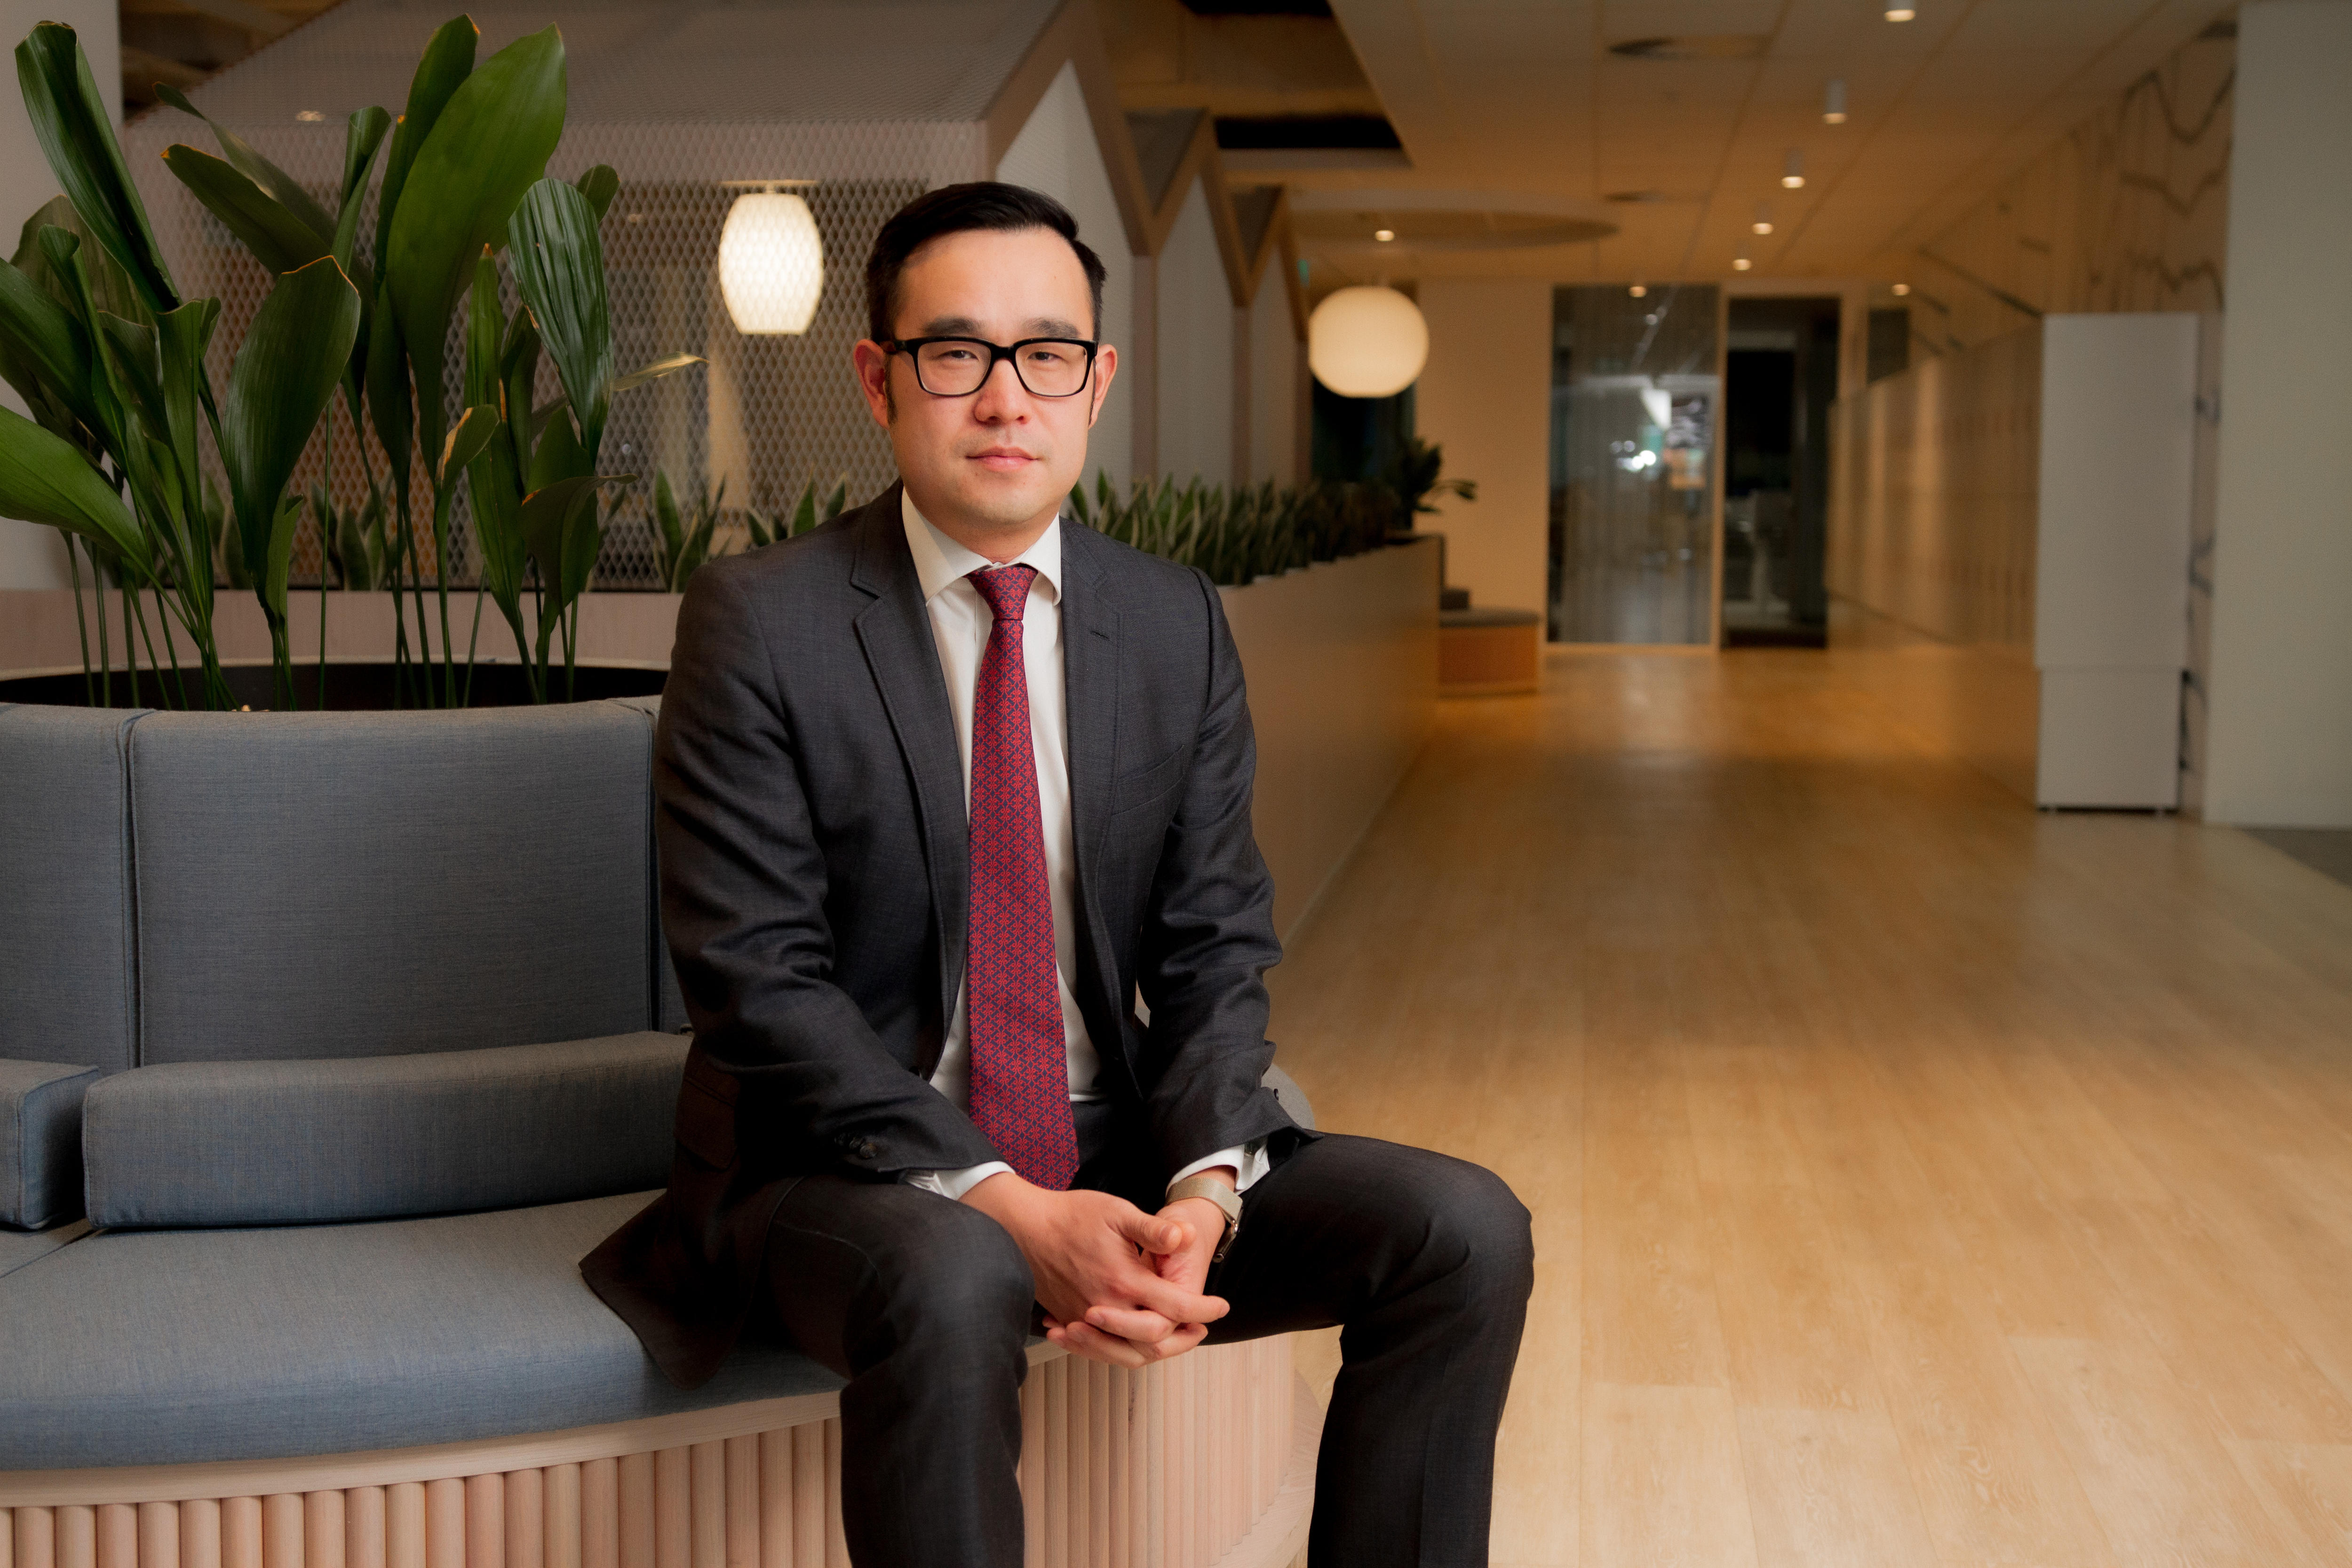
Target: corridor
(1918, 1179)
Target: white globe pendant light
(771, 263)
(1367, 341)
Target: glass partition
(1635, 405)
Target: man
(943, 787)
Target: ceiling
(1525, 96)
(181, 42)
(1521, 108)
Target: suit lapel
(1090, 669)
(895, 631)
(1090, 638)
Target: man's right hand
(1088, 1249)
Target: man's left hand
(1116, 1334)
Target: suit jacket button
(865, 1149)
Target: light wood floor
(1918, 1180)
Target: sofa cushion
(40, 1141)
(169, 1347)
(219, 1143)
(372, 884)
(64, 864)
(18, 1247)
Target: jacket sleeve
(1208, 936)
(743, 886)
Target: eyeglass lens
(955, 367)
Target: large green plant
(96, 339)
(94, 336)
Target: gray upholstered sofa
(352, 1033)
(329, 1045)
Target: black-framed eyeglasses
(958, 367)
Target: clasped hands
(1118, 1284)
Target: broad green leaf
(673, 532)
(362, 147)
(805, 514)
(559, 456)
(517, 372)
(70, 120)
(388, 409)
(134, 359)
(42, 341)
(559, 270)
(447, 60)
(111, 289)
(600, 184)
(485, 329)
(488, 145)
(279, 560)
(287, 369)
(546, 520)
(668, 365)
(468, 437)
(838, 499)
(278, 238)
(44, 478)
(363, 134)
(184, 335)
(274, 182)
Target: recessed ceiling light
(1639, 290)
(1763, 224)
(1385, 234)
(1902, 289)
(1792, 170)
(1834, 102)
(1900, 13)
(310, 116)
(1740, 264)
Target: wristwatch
(1228, 1202)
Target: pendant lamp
(771, 263)
(1367, 341)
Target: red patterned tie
(1020, 1066)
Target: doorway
(1781, 374)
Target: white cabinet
(2111, 611)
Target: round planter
(352, 685)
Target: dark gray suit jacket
(810, 811)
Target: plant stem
(73, 564)
(129, 648)
(178, 678)
(105, 649)
(472, 643)
(130, 597)
(441, 498)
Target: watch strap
(1228, 1202)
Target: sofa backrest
(315, 885)
(212, 887)
(66, 980)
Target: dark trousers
(924, 1305)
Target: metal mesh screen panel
(870, 104)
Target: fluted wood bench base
(1209, 1460)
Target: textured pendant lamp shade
(1367, 341)
(771, 263)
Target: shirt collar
(940, 561)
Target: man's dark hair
(951, 209)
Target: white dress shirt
(960, 624)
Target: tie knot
(1006, 589)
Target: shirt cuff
(955, 1184)
(1248, 1161)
